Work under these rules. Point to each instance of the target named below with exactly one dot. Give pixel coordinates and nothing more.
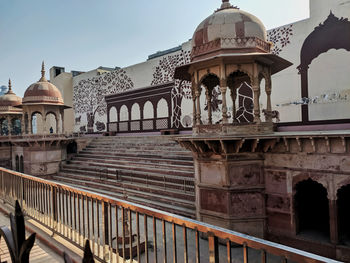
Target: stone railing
(232, 43)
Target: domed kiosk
(10, 114)
(230, 51)
(43, 99)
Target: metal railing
(121, 231)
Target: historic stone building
(265, 115)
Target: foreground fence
(120, 231)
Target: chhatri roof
(228, 22)
(42, 92)
(9, 101)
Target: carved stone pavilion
(230, 48)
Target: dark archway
(312, 210)
(17, 163)
(344, 214)
(333, 33)
(72, 148)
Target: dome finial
(10, 88)
(42, 79)
(226, 4)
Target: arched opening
(17, 163)
(124, 113)
(162, 109)
(51, 123)
(344, 214)
(37, 123)
(113, 114)
(21, 164)
(312, 210)
(241, 93)
(4, 127)
(135, 112)
(148, 110)
(211, 99)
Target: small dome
(228, 22)
(10, 98)
(42, 92)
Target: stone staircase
(150, 170)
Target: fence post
(105, 229)
(213, 248)
(54, 207)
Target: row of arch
(148, 111)
(313, 212)
(38, 123)
(244, 93)
(19, 163)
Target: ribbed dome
(42, 92)
(228, 22)
(10, 98)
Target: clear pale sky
(85, 34)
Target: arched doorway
(17, 163)
(312, 210)
(344, 214)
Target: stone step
(111, 173)
(153, 149)
(116, 163)
(159, 201)
(162, 182)
(168, 190)
(149, 160)
(156, 155)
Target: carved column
(234, 98)
(23, 125)
(198, 110)
(256, 91)
(268, 102)
(194, 104)
(58, 126)
(30, 122)
(223, 89)
(209, 97)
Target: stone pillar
(208, 97)
(256, 91)
(333, 222)
(268, 102)
(30, 123)
(223, 89)
(234, 97)
(58, 126)
(198, 110)
(62, 117)
(194, 105)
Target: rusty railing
(120, 230)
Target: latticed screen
(123, 126)
(113, 127)
(147, 125)
(135, 125)
(162, 123)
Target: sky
(85, 34)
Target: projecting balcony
(120, 230)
